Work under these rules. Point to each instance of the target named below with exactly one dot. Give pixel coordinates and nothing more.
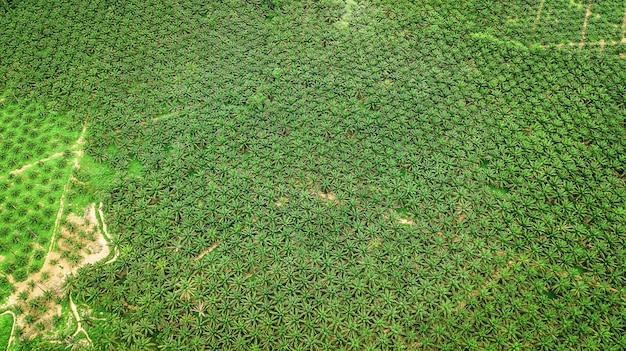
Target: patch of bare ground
(397, 217)
(90, 239)
(116, 250)
(281, 201)
(406, 221)
(327, 196)
(80, 242)
(374, 243)
(127, 305)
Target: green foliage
(29, 203)
(6, 288)
(341, 175)
(6, 322)
(31, 133)
(31, 179)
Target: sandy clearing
(406, 221)
(97, 250)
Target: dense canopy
(334, 174)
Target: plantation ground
(358, 175)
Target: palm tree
(69, 283)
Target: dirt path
(75, 147)
(585, 24)
(205, 252)
(538, 15)
(77, 154)
(12, 327)
(116, 250)
(27, 166)
(602, 43)
(57, 220)
(79, 327)
(624, 24)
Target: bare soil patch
(406, 221)
(327, 196)
(80, 242)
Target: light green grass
(6, 323)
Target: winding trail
(79, 327)
(116, 250)
(76, 149)
(78, 153)
(12, 327)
